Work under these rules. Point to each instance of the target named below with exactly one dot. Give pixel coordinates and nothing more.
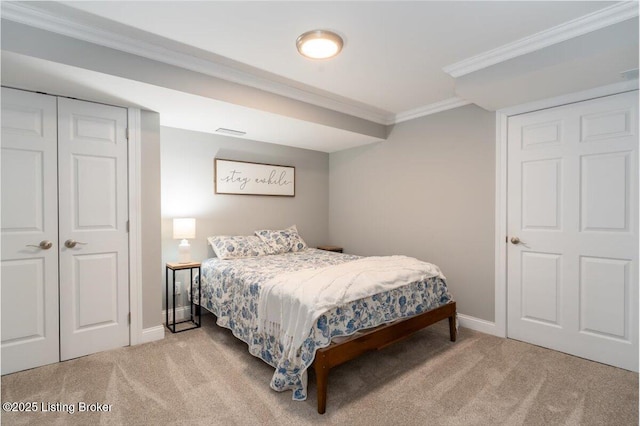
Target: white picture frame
(248, 178)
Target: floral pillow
(282, 241)
(226, 247)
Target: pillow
(226, 247)
(282, 241)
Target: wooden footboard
(377, 338)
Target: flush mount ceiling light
(319, 44)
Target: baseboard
(182, 313)
(478, 324)
(152, 334)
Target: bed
(231, 288)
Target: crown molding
(433, 108)
(28, 15)
(594, 21)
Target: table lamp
(183, 229)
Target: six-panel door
(92, 167)
(573, 206)
(29, 193)
(65, 290)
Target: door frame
(500, 244)
(135, 231)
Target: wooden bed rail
(377, 338)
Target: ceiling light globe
(319, 44)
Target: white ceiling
(394, 51)
(391, 65)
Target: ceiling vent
(230, 132)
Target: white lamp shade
(184, 228)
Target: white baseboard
(182, 313)
(152, 334)
(478, 324)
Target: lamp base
(184, 252)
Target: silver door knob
(44, 245)
(515, 240)
(72, 243)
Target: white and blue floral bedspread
(231, 291)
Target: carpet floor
(207, 377)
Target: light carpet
(207, 377)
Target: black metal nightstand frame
(194, 310)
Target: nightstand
(331, 248)
(194, 310)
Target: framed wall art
(246, 178)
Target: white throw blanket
(290, 303)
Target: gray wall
(150, 220)
(187, 191)
(426, 192)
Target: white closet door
(573, 205)
(29, 218)
(94, 287)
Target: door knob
(515, 240)
(72, 243)
(44, 245)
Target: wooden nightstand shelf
(331, 248)
(194, 310)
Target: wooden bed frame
(375, 339)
